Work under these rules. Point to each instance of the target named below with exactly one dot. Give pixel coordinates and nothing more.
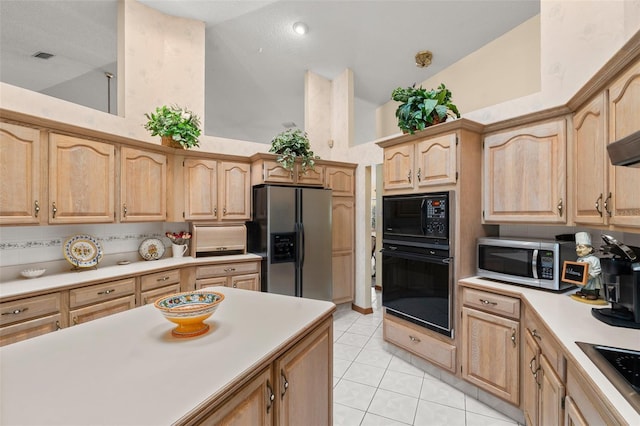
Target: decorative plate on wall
(83, 251)
(151, 249)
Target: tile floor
(374, 387)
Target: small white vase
(178, 249)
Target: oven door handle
(393, 252)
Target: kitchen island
(128, 369)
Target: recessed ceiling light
(43, 55)
(300, 28)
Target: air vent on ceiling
(289, 124)
(43, 55)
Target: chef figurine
(584, 250)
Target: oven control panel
(436, 216)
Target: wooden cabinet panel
(150, 296)
(245, 282)
(524, 174)
(343, 224)
(490, 353)
(313, 176)
(529, 374)
(244, 275)
(28, 329)
(342, 271)
(590, 163)
(200, 192)
(273, 172)
(551, 394)
(20, 174)
(159, 279)
(236, 191)
(436, 161)
(99, 310)
(250, 406)
(81, 180)
(143, 186)
(101, 292)
(624, 119)
(341, 180)
(227, 268)
(211, 282)
(407, 336)
(28, 308)
(592, 408)
(398, 167)
(572, 415)
(304, 381)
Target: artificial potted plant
(290, 145)
(178, 127)
(420, 108)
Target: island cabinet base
(294, 388)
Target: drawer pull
(229, 269)
(113, 290)
(414, 339)
(15, 312)
(163, 279)
(488, 302)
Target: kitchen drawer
(101, 292)
(420, 343)
(160, 279)
(150, 296)
(549, 346)
(99, 310)
(28, 329)
(30, 307)
(227, 269)
(493, 303)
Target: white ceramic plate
(151, 249)
(83, 251)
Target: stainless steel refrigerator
(291, 230)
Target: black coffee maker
(621, 280)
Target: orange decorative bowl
(188, 310)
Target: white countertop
(25, 286)
(128, 369)
(572, 321)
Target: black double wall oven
(417, 266)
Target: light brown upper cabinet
(21, 173)
(420, 164)
(524, 174)
(607, 194)
(216, 190)
(143, 185)
(624, 119)
(81, 180)
(268, 170)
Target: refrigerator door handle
(301, 246)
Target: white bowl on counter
(32, 273)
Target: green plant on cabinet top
(420, 108)
(179, 124)
(290, 145)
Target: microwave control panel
(546, 265)
(436, 214)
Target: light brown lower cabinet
(29, 317)
(100, 300)
(99, 310)
(584, 405)
(31, 328)
(159, 284)
(243, 275)
(295, 389)
(572, 414)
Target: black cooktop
(625, 362)
(620, 366)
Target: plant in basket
(178, 127)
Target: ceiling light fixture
(423, 58)
(300, 28)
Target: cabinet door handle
(285, 384)
(409, 176)
(58, 326)
(270, 396)
(36, 208)
(124, 210)
(598, 209)
(419, 174)
(534, 372)
(414, 339)
(534, 333)
(560, 207)
(54, 209)
(224, 211)
(16, 311)
(606, 205)
(111, 290)
(215, 211)
(513, 337)
(488, 302)
(75, 320)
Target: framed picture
(575, 273)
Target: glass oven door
(417, 288)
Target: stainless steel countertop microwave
(530, 262)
